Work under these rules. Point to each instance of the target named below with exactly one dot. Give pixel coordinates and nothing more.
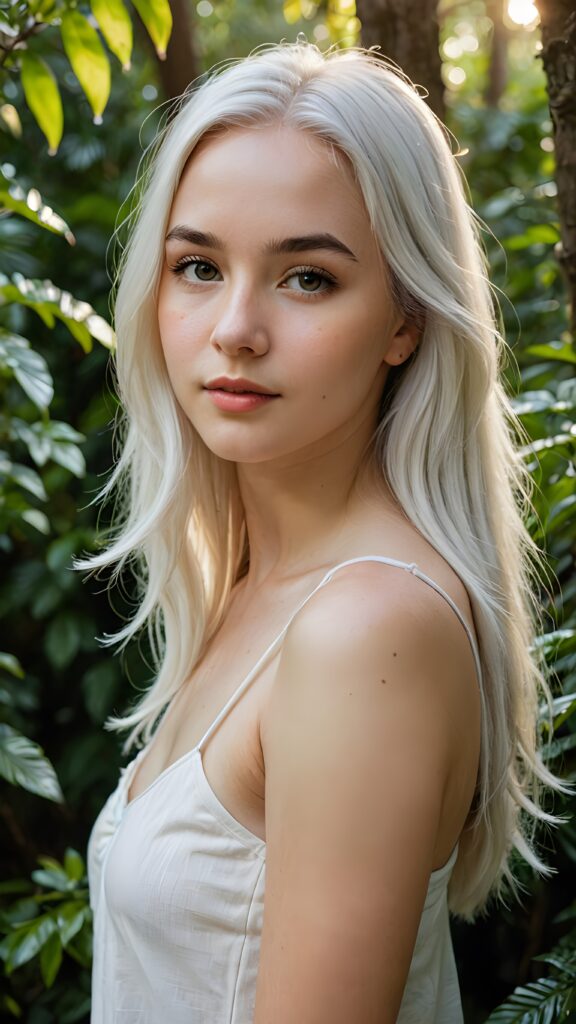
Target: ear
(403, 343)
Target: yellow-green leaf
(89, 62)
(116, 27)
(32, 206)
(43, 97)
(157, 17)
(292, 11)
(10, 117)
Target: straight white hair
(446, 440)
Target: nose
(240, 327)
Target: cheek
(345, 352)
(176, 333)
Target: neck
(299, 513)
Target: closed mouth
(242, 388)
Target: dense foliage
(56, 684)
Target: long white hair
(447, 438)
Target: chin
(232, 449)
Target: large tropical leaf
(23, 763)
(32, 206)
(51, 302)
(27, 366)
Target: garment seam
(240, 958)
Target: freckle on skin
(382, 680)
(323, 396)
(394, 654)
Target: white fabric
(177, 890)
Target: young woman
(322, 502)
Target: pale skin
(361, 744)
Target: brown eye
(310, 282)
(200, 270)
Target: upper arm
(357, 747)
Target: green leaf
(43, 98)
(157, 17)
(53, 440)
(80, 946)
(51, 959)
(10, 1004)
(533, 401)
(557, 747)
(37, 519)
(562, 707)
(563, 510)
(292, 11)
(28, 479)
(528, 1004)
(28, 367)
(70, 456)
(32, 206)
(536, 234)
(22, 762)
(60, 552)
(89, 62)
(100, 689)
(116, 27)
(51, 864)
(62, 640)
(52, 878)
(27, 941)
(22, 910)
(10, 119)
(11, 664)
(556, 350)
(74, 865)
(71, 916)
(49, 301)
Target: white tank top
(177, 890)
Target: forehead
(274, 171)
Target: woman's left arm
(358, 741)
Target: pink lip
(238, 384)
(245, 401)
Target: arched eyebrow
(277, 246)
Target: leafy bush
(56, 686)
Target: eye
(200, 269)
(311, 280)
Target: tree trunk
(407, 32)
(559, 56)
(498, 68)
(181, 64)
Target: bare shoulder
(379, 645)
(361, 728)
(374, 621)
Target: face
(273, 281)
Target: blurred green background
(58, 214)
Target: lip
(238, 384)
(238, 401)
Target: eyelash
(179, 267)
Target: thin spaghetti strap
(473, 643)
(413, 568)
(270, 650)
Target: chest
(232, 757)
